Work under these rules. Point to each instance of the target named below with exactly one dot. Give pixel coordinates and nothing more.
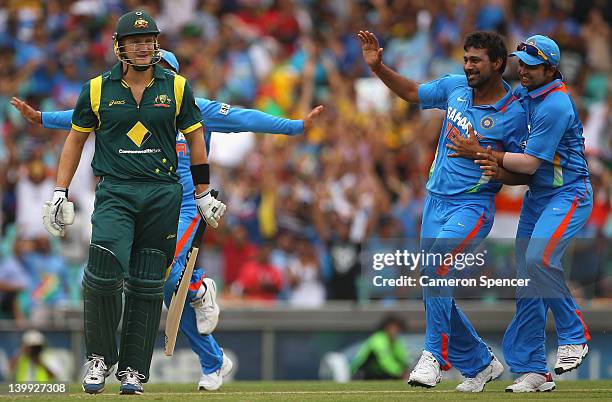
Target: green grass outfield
(328, 391)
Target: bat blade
(175, 311)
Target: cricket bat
(175, 311)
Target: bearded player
(459, 208)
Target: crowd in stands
(300, 209)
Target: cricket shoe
(532, 382)
(95, 376)
(569, 357)
(427, 372)
(213, 381)
(131, 382)
(206, 307)
(477, 384)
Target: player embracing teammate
(555, 208)
(557, 205)
(459, 208)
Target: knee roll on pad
(103, 272)
(102, 303)
(142, 311)
(147, 274)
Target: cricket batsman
(556, 207)
(201, 312)
(459, 209)
(135, 110)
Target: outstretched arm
(224, 118)
(57, 120)
(372, 54)
(52, 120)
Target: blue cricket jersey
(503, 126)
(555, 136)
(218, 117)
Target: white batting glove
(209, 207)
(58, 213)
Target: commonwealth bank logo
(139, 134)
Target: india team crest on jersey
(487, 122)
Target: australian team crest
(141, 23)
(487, 122)
(162, 101)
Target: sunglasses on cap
(532, 50)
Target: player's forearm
(512, 179)
(499, 157)
(57, 120)
(401, 86)
(260, 122)
(71, 155)
(197, 153)
(520, 163)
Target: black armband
(200, 174)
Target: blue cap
(546, 51)
(171, 59)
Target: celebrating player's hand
(209, 207)
(58, 213)
(27, 111)
(370, 49)
(488, 163)
(465, 147)
(312, 116)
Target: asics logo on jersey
(116, 102)
(460, 99)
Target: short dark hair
(391, 319)
(492, 42)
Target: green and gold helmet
(131, 24)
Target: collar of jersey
(545, 89)
(117, 73)
(500, 103)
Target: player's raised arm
(28, 112)
(372, 54)
(60, 120)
